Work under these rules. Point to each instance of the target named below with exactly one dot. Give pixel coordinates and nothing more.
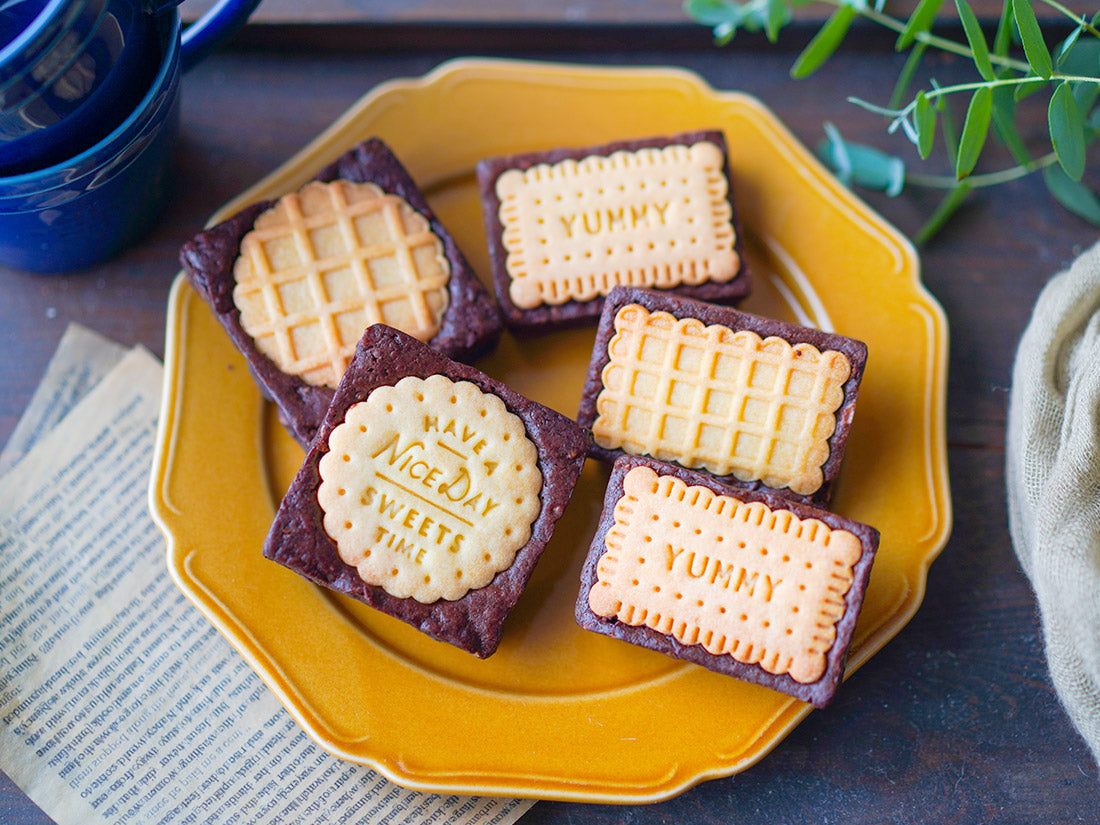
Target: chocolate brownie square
(566, 225)
(745, 583)
(429, 492)
(757, 402)
(294, 282)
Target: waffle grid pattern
(327, 262)
(729, 402)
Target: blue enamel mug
(82, 209)
(68, 75)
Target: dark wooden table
(955, 721)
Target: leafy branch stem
(941, 91)
(927, 38)
(1081, 21)
(1065, 73)
(989, 179)
(1055, 77)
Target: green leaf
(976, 39)
(1086, 95)
(1002, 40)
(947, 126)
(1035, 49)
(924, 118)
(1004, 121)
(905, 77)
(855, 163)
(824, 43)
(1082, 58)
(713, 12)
(975, 130)
(1066, 45)
(919, 21)
(947, 207)
(1067, 131)
(777, 16)
(723, 33)
(754, 18)
(1073, 195)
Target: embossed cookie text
(611, 221)
(651, 217)
(679, 561)
(429, 488)
(739, 579)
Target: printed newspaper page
(119, 703)
(83, 357)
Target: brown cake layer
(474, 622)
(545, 318)
(710, 314)
(818, 692)
(470, 326)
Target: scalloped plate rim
(319, 150)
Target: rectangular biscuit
(757, 402)
(744, 583)
(429, 493)
(566, 225)
(295, 281)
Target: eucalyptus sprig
(1069, 75)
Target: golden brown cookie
(758, 402)
(723, 400)
(568, 225)
(429, 488)
(736, 577)
(328, 261)
(745, 583)
(358, 244)
(429, 493)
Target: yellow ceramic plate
(556, 713)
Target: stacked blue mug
(89, 116)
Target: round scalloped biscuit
(326, 262)
(429, 488)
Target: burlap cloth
(1053, 478)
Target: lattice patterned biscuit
(429, 488)
(650, 217)
(710, 397)
(325, 263)
(736, 578)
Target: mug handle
(206, 33)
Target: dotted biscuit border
(643, 480)
(598, 284)
(633, 321)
